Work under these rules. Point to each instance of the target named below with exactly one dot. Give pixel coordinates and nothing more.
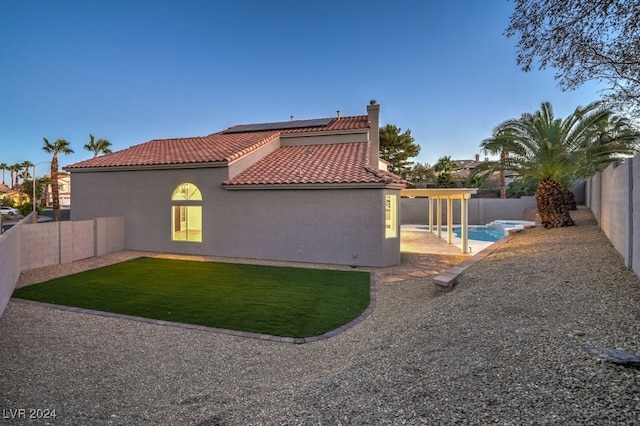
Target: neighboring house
(64, 190)
(4, 189)
(300, 190)
(12, 197)
(466, 167)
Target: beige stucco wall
(341, 226)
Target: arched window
(186, 213)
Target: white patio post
(439, 217)
(464, 222)
(437, 195)
(449, 219)
(430, 205)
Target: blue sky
(132, 71)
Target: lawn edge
(244, 334)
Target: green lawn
(288, 302)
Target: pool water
(489, 233)
(480, 233)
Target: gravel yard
(505, 347)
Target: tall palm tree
(556, 152)
(3, 166)
(15, 172)
(496, 144)
(101, 146)
(26, 165)
(60, 146)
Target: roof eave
(148, 167)
(363, 185)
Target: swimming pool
(479, 233)
(491, 232)
(474, 232)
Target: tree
(28, 189)
(496, 144)
(522, 187)
(101, 146)
(397, 148)
(15, 172)
(60, 146)
(26, 165)
(443, 169)
(421, 174)
(3, 166)
(583, 41)
(556, 152)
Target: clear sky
(135, 70)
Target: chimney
(292, 118)
(338, 114)
(373, 115)
(477, 158)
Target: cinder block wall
(615, 205)
(9, 264)
(40, 244)
(33, 245)
(481, 210)
(613, 196)
(635, 214)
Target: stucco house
(64, 190)
(299, 190)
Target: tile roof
(342, 123)
(217, 147)
(341, 163)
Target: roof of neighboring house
(465, 164)
(4, 188)
(225, 146)
(315, 164)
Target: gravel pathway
(505, 347)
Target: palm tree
(15, 171)
(557, 152)
(98, 147)
(60, 146)
(496, 144)
(3, 166)
(443, 169)
(26, 165)
(46, 183)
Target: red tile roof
(341, 163)
(342, 123)
(217, 147)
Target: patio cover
(436, 195)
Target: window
(186, 213)
(391, 216)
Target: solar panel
(281, 125)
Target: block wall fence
(613, 196)
(481, 210)
(29, 245)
